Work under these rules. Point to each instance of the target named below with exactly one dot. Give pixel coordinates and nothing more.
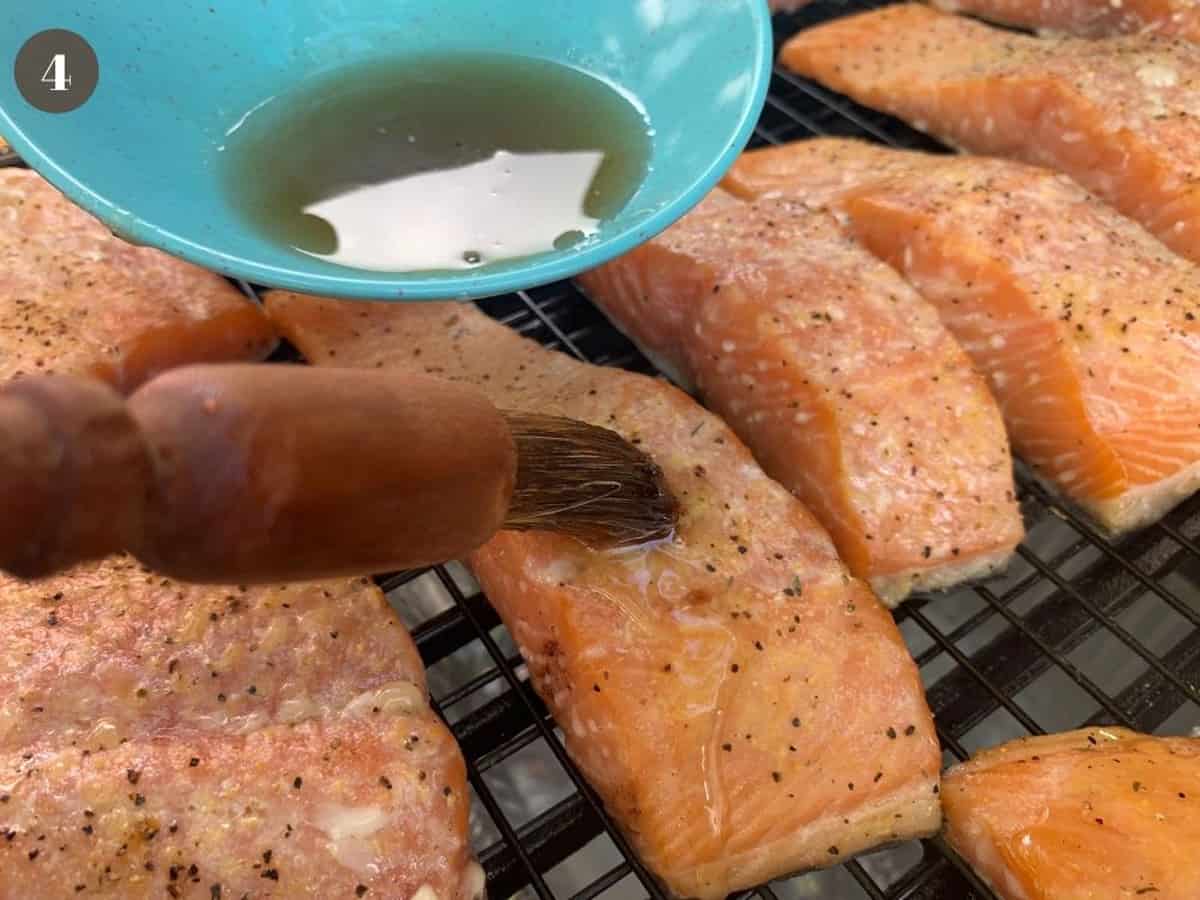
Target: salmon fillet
(74, 299)
(1121, 116)
(1087, 18)
(158, 739)
(1099, 814)
(1084, 323)
(742, 705)
(841, 379)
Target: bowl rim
(361, 284)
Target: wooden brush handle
(75, 474)
(248, 473)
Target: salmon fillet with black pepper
(1120, 115)
(841, 379)
(743, 706)
(1100, 814)
(1087, 18)
(163, 740)
(74, 299)
(1085, 324)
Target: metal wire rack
(1080, 630)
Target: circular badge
(56, 71)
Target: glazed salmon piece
(301, 811)
(841, 379)
(1121, 115)
(1084, 323)
(113, 643)
(1100, 814)
(743, 706)
(74, 299)
(167, 740)
(1087, 18)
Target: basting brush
(253, 473)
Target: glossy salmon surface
(1120, 115)
(840, 378)
(1085, 325)
(1087, 18)
(743, 706)
(1101, 814)
(164, 740)
(74, 299)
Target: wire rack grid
(1080, 630)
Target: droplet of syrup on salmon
(438, 163)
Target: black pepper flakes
(297, 782)
(891, 733)
(360, 890)
(910, 730)
(193, 762)
(777, 776)
(133, 775)
(833, 851)
(386, 782)
(214, 892)
(272, 874)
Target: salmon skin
(744, 708)
(1099, 814)
(76, 300)
(1085, 325)
(1121, 115)
(841, 379)
(164, 740)
(1087, 18)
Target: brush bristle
(586, 482)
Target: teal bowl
(176, 75)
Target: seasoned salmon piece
(324, 808)
(1121, 115)
(1100, 814)
(155, 735)
(1087, 18)
(743, 706)
(110, 651)
(74, 299)
(842, 380)
(1084, 323)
